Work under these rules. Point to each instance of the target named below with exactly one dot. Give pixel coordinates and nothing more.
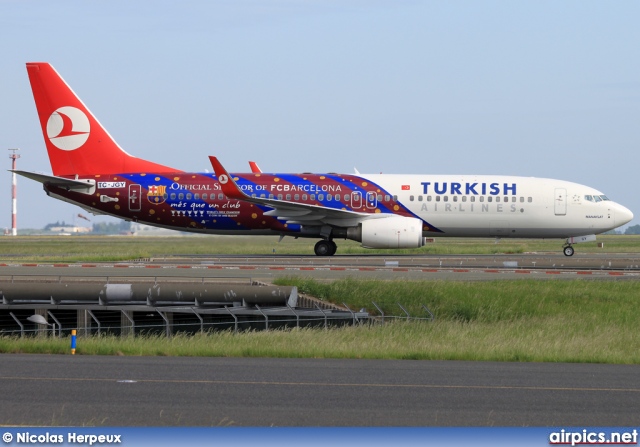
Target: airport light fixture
(14, 191)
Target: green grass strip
(526, 320)
(125, 248)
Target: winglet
(254, 167)
(229, 186)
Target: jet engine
(388, 232)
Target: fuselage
(447, 205)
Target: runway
(265, 268)
(173, 391)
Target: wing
(292, 212)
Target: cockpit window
(590, 198)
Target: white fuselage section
(504, 206)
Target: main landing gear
(325, 247)
(568, 250)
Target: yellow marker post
(73, 341)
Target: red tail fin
(76, 141)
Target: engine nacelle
(388, 232)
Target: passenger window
(296, 197)
(197, 196)
(530, 199)
(205, 196)
(521, 199)
(262, 196)
(180, 196)
(288, 196)
(329, 197)
(321, 197)
(437, 198)
(395, 198)
(279, 196)
(497, 199)
(473, 198)
(411, 198)
(482, 198)
(313, 197)
(270, 196)
(173, 196)
(346, 198)
(464, 198)
(428, 198)
(253, 195)
(304, 197)
(221, 196)
(387, 197)
(489, 199)
(419, 198)
(455, 198)
(446, 198)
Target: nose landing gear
(568, 250)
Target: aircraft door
(356, 200)
(372, 200)
(560, 202)
(135, 194)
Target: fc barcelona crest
(156, 194)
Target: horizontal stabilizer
(61, 182)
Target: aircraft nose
(623, 215)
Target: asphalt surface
(172, 391)
(605, 266)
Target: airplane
(381, 211)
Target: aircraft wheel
(334, 248)
(568, 250)
(324, 248)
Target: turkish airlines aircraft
(380, 211)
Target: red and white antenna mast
(14, 193)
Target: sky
(532, 88)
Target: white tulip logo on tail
(68, 128)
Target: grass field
(125, 248)
(523, 320)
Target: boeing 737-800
(380, 211)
